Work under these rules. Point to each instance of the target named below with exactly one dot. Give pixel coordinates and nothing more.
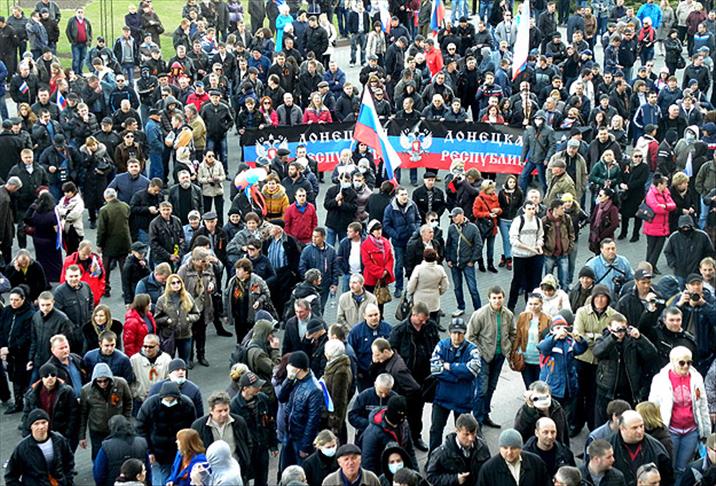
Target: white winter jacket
(662, 393)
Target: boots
(509, 264)
(491, 267)
(502, 262)
(220, 331)
(481, 265)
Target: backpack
(241, 352)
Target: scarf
(378, 242)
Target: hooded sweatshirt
(225, 470)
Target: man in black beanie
(304, 407)
(44, 457)
(387, 424)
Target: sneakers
(458, 313)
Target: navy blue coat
(324, 260)
(303, 410)
(361, 338)
(187, 388)
(456, 387)
(399, 225)
(366, 403)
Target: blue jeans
(160, 473)
(342, 15)
(143, 236)
(530, 374)
(505, 234)
(128, 68)
(562, 264)
(646, 54)
(572, 257)
(684, 447)
(485, 10)
(183, 348)
(459, 9)
(469, 274)
(399, 252)
(489, 375)
(358, 40)
(156, 166)
(704, 213)
(220, 149)
(331, 237)
(524, 178)
(79, 53)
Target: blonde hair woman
(174, 314)
(654, 426)
(323, 461)
(678, 389)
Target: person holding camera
(539, 404)
(699, 313)
(624, 363)
(610, 268)
(642, 305)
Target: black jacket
(64, 416)
(405, 384)
(27, 464)
(612, 477)
(439, 202)
(317, 466)
(164, 236)
(139, 210)
(43, 328)
(366, 402)
(651, 450)
(30, 182)
(639, 356)
(217, 118)
(339, 217)
(532, 473)
(448, 460)
(159, 425)
(77, 304)
(414, 347)
(527, 417)
(16, 330)
(316, 40)
(242, 439)
(665, 340)
(259, 419)
(562, 456)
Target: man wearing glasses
(150, 366)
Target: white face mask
(168, 403)
(178, 380)
(329, 451)
(435, 224)
(345, 185)
(395, 467)
(538, 122)
(357, 185)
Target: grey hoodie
(101, 370)
(225, 470)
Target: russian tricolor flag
(24, 88)
(370, 131)
(61, 101)
(522, 42)
(437, 15)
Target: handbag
(382, 293)
(645, 213)
(680, 62)
(405, 305)
(485, 225)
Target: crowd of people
(137, 147)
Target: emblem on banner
(267, 147)
(416, 142)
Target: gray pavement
(507, 399)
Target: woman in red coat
(138, 322)
(486, 210)
(316, 111)
(657, 230)
(376, 253)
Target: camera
(694, 296)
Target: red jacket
(434, 60)
(313, 116)
(656, 200)
(300, 225)
(376, 262)
(134, 331)
(482, 206)
(94, 279)
(197, 99)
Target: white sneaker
(458, 313)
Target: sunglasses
(149, 347)
(687, 362)
(48, 375)
(620, 330)
(638, 156)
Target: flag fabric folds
(370, 131)
(437, 15)
(522, 42)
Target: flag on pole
(689, 167)
(437, 15)
(522, 42)
(61, 101)
(370, 131)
